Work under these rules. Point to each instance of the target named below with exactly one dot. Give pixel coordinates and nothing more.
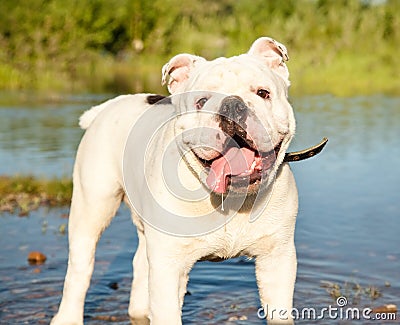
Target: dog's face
(235, 121)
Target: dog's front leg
(166, 268)
(276, 275)
(91, 212)
(164, 279)
(139, 301)
(183, 281)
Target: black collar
(306, 153)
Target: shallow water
(347, 229)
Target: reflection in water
(347, 228)
(359, 124)
(41, 139)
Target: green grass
(340, 47)
(22, 194)
(345, 74)
(348, 74)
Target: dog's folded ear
(273, 53)
(178, 69)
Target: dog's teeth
(253, 165)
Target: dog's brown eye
(263, 93)
(201, 102)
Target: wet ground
(347, 231)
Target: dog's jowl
(228, 125)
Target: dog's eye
(263, 93)
(201, 102)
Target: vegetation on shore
(339, 47)
(22, 194)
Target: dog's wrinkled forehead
(266, 56)
(239, 74)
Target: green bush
(95, 45)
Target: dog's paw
(140, 321)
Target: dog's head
(235, 120)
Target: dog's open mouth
(239, 165)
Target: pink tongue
(235, 162)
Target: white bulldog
(232, 128)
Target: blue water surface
(347, 229)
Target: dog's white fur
(162, 262)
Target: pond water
(347, 229)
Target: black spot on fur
(158, 99)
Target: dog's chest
(231, 241)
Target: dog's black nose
(232, 115)
(233, 108)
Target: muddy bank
(22, 194)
